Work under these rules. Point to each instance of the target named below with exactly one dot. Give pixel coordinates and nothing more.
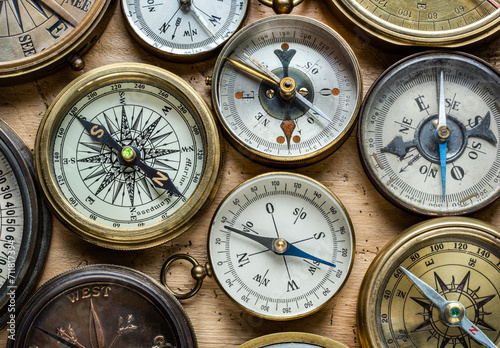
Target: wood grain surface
(218, 322)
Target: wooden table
(216, 319)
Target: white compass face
(11, 218)
(400, 146)
(184, 27)
(264, 121)
(281, 246)
(91, 175)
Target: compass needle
(93, 299)
(60, 11)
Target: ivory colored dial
(123, 156)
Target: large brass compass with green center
(436, 285)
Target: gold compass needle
(60, 11)
(252, 71)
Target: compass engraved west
(475, 300)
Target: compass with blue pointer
(122, 156)
(429, 133)
(281, 245)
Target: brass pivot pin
(454, 313)
(287, 88)
(280, 245)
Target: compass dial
(459, 258)
(24, 223)
(423, 23)
(192, 30)
(286, 90)
(281, 245)
(35, 35)
(401, 150)
(116, 147)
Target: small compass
(122, 155)
(103, 306)
(286, 90)
(281, 245)
(428, 133)
(183, 30)
(450, 295)
(292, 340)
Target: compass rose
(472, 298)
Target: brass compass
(449, 296)
(292, 340)
(432, 23)
(40, 36)
(128, 156)
(103, 306)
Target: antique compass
(122, 156)
(39, 36)
(428, 133)
(281, 245)
(286, 90)
(431, 23)
(292, 340)
(449, 296)
(103, 306)
(183, 30)
(25, 225)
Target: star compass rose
(462, 298)
(130, 156)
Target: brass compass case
(37, 38)
(431, 23)
(158, 120)
(103, 306)
(292, 340)
(459, 258)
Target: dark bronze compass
(103, 306)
